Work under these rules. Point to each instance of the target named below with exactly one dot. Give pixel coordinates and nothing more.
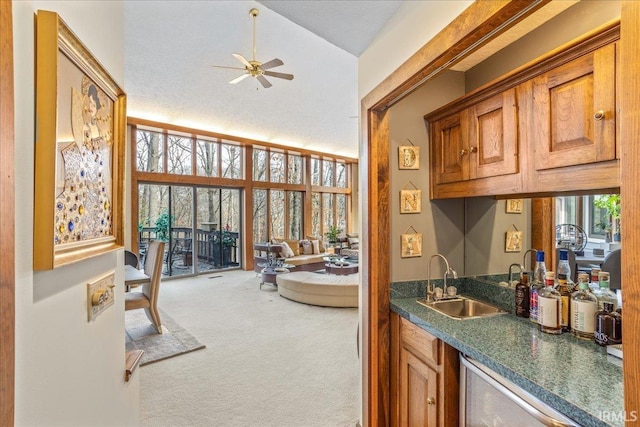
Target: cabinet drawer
(422, 343)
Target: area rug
(142, 335)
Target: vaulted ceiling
(171, 46)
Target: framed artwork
(411, 245)
(408, 157)
(80, 134)
(410, 201)
(513, 241)
(514, 205)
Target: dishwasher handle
(477, 369)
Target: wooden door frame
(476, 22)
(7, 213)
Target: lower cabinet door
(418, 391)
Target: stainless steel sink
(463, 308)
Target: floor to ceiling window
(201, 193)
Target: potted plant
(332, 234)
(163, 223)
(611, 203)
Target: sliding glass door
(200, 226)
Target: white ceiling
(170, 47)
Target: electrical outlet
(100, 295)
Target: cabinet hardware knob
(431, 401)
(463, 152)
(473, 149)
(599, 115)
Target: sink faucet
(524, 259)
(449, 271)
(519, 266)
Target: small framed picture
(513, 241)
(411, 245)
(410, 201)
(514, 205)
(408, 157)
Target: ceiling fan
(255, 68)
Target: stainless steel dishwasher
(488, 399)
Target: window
(276, 165)
(341, 175)
(296, 217)
(327, 173)
(295, 169)
(315, 172)
(585, 212)
(150, 151)
(207, 162)
(259, 165)
(179, 159)
(171, 164)
(260, 222)
(231, 161)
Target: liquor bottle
(608, 326)
(584, 306)
(522, 296)
(537, 283)
(549, 306)
(594, 279)
(565, 287)
(604, 293)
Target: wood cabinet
(424, 377)
(478, 142)
(549, 127)
(575, 113)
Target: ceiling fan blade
(238, 79)
(272, 64)
(224, 66)
(264, 82)
(242, 59)
(279, 75)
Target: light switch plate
(100, 295)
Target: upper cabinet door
(574, 113)
(449, 154)
(493, 136)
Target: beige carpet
(268, 361)
(141, 334)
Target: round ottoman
(326, 290)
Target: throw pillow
(353, 235)
(316, 246)
(307, 247)
(287, 252)
(321, 244)
(294, 245)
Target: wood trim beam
(629, 191)
(377, 308)
(7, 213)
(472, 25)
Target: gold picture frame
(514, 205)
(410, 201)
(408, 157)
(513, 241)
(411, 245)
(79, 154)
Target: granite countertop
(576, 377)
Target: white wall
(412, 26)
(69, 372)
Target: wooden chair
(130, 258)
(148, 297)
